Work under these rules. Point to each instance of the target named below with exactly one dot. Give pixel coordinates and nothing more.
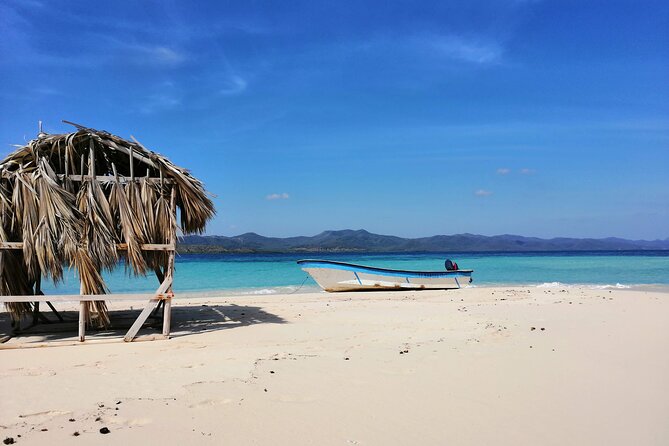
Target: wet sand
(548, 366)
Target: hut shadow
(190, 320)
(187, 320)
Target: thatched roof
(71, 198)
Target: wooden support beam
(150, 306)
(167, 316)
(111, 178)
(58, 315)
(11, 245)
(102, 178)
(167, 303)
(119, 246)
(82, 320)
(80, 297)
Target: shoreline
(315, 289)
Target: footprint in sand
(211, 402)
(46, 414)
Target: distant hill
(362, 241)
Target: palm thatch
(71, 198)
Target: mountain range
(363, 241)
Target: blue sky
(539, 118)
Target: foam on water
(617, 285)
(551, 285)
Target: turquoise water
(272, 273)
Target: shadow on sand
(186, 321)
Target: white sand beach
(506, 366)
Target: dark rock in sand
(71, 420)
(8, 440)
(533, 328)
(76, 434)
(104, 430)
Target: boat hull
(339, 276)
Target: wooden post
(132, 165)
(167, 309)
(82, 321)
(91, 169)
(37, 293)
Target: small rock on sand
(104, 430)
(8, 440)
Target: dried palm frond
(26, 205)
(92, 283)
(130, 227)
(98, 226)
(60, 223)
(13, 279)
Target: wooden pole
(167, 309)
(82, 321)
(37, 293)
(132, 165)
(91, 169)
(83, 305)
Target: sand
(516, 366)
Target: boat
(340, 276)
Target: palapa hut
(86, 200)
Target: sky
(537, 118)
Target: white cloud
(233, 85)
(528, 171)
(483, 193)
(159, 102)
(164, 55)
(283, 196)
(468, 50)
(503, 171)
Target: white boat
(339, 276)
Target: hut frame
(165, 273)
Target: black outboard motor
(450, 266)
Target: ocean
(278, 273)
